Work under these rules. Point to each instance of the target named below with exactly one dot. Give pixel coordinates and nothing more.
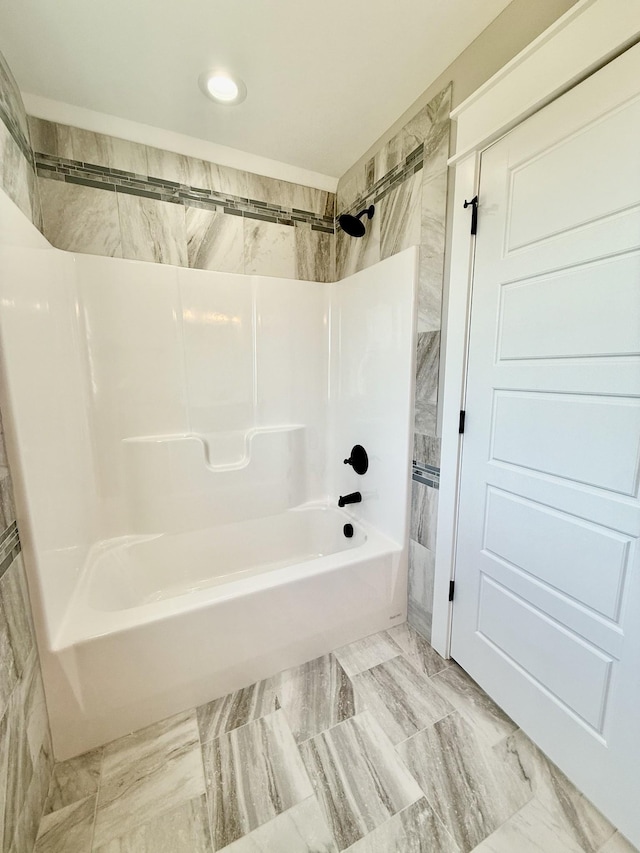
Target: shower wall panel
(406, 179)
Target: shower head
(353, 225)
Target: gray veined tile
(471, 789)
(400, 217)
(236, 709)
(368, 652)
(184, 829)
(358, 778)
(27, 828)
(580, 820)
(152, 230)
(314, 254)
(14, 171)
(422, 564)
(269, 249)
(427, 369)
(148, 773)
(315, 696)
(426, 449)
(168, 166)
(418, 651)
(301, 829)
(358, 253)
(17, 610)
(533, 829)
(416, 829)
(424, 514)
(34, 709)
(618, 844)
(254, 773)
(478, 709)
(74, 780)
(8, 668)
(215, 240)
(80, 219)
(16, 767)
(68, 830)
(432, 249)
(401, 699)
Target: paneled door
(547, 599)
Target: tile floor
(380, 747)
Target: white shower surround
(120, 432)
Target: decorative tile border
(10, 547)
(429, 475)
(145, 186)
(388, 182)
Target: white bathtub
(163, 623)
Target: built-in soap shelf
(188, 481)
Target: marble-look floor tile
(314, 254)
(368, 652)
(418, 651)
(478, 709)
(424, 514)
(618, 844)
(416, 829)
(236, 709)
(152, 230)
(148, 773)
(184, 829)
(68, 830)
(80, 219)
(215, 241)
(253, 773)
(422, 564)
(399, 697)
(269, 249)
(315, 696)
(34, 709)
(471, 789)
(531, 830)
(580, 819)
(73, 780)
(400, 217)
(358, 778)
(301, 829)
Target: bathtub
(162, 623)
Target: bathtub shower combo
(179, 438)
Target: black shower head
(353, 225)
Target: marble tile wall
(148, 204)
(26, 758)
(410, 210)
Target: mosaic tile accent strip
(10, 547)
(159, 189)
(427, 474)
(393, 178)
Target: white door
(547, 599)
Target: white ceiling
(325, 78)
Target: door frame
(587, 37)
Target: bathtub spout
(353, 498)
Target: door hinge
(452, 586)
(474, 213)
(463, 416)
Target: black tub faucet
(353, 498)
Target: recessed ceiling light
(222, 88)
